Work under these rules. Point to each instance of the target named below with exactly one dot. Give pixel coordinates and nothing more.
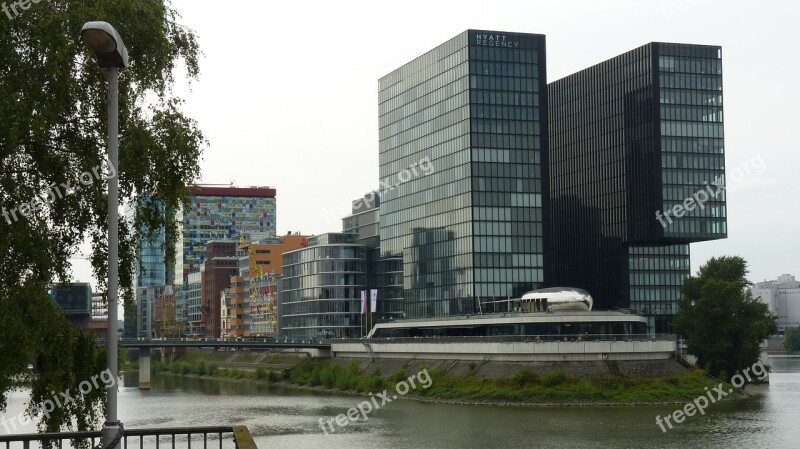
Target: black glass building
(472, 230)
(636, 148)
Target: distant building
(383, 273)
(216, 213)
(99, 319)
(82, 308)
(74, 299)
(783, 298)
(192, 292)
(145, 308)
(321, 288)
(164, 320)
(254, 290)
(635, 143)
(219, 266)
(221, 213)
(224, 318)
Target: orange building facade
(253, 301)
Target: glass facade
(383, 274)
(193, 291)
(320, 290)
(631, 140)
(473, 229)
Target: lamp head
(106, 44)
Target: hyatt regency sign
(495, 40)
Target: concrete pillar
(144, 369)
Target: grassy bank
(524, 387)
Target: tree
(52, 175)
(722, 324)
(791, 341)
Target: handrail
(241, 436)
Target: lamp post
(105, 43)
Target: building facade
(254, 290)
(192, 292)
(475, 108)
(783, 298)
(219, 266)
(636, 156)
(385, 274)
(221, 213)
(145, 308)
(320, 289)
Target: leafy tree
(791, 341)
(54, 125)
(722, 324)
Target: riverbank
(527, 387)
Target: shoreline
(741, 395)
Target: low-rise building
(783, 298)
(194, 309)
(320, 293)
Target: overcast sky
(288, 95)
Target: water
(288, 418)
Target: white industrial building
(783, 298)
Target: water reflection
(289, 418)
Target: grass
(525, 386)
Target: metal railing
(516, 338)
(168, 437)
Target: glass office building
(320, 292)
(471, 229)
(632, 141)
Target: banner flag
(373, 297)
(363, 302)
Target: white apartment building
(783, 298)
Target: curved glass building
(321, 287)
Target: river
(289, 418)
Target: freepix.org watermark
(58, 400)
(423, 167)
(86, 178)
(712, 396)
(361, 411)
(24, 5)
(712, 190)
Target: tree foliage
(54, 128)
(791, 341)
(722, 324)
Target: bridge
(313, 347)
(250, 343)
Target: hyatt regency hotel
(544, 185)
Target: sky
(288, 95)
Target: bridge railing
(514, 338)
(222, 341)
(223, 437)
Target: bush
(201, 368)
(525, 377)
(554, 378)
(399, 375)
(272, 376)
(261, 374)
(185, 368)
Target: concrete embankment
(487, 369)
(648, 369)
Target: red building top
(259, 192)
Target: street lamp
(106, 45)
